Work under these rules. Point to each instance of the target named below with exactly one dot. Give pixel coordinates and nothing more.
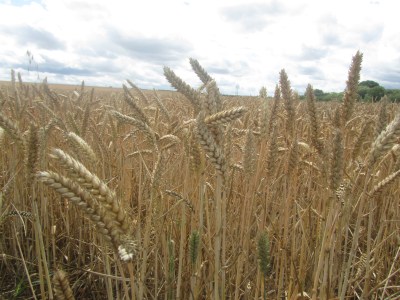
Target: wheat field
(131, 194)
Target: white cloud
(239, 42)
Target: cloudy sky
(242, 44)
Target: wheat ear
(286, 92)
(378, 189)
(249, 154)
(139, 91)
(138, 112)
(92, 183)
(62, 288)
(142, 126)
(162, 107)
(350, 94)
(31, 153)
(225, 116)
(199, 70)
(210, 146)
(362, 137)
(313, 119)
(192, 95)
(385, 141)
(11, 128)
(81, 147)
(106, 224)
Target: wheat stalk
(382, 117)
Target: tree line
(368, 91)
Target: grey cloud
(310, 70)
(329, 29)
(55, 67)
(387, 77)
(310, 53)
(156, 50)
(226, 67)
(25, 35)
(372, 34)
(331, 39)
(252, 16)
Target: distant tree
(318, 93)
(376, 93)
(363, 91)
(393, 95)
(368, 83)
(263, 92)
(370, 90)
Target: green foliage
(263, 253)
(263, 92)
(376, 93)
(194, 243)
(368, 83)
(393, 95)
(318, 93)
(370, 91)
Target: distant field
(131, 194)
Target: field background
(195, 195)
